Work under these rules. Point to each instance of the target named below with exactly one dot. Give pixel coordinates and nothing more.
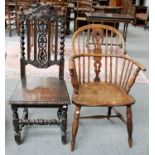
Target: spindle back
(97, 38)
(117, 70)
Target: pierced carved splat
(97, 39)
(42, 41)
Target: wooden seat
(100, 75)
(105, 95)
(41, 91)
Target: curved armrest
(73, 74)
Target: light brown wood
(105, 74)
(75, 126)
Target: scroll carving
(42, 41)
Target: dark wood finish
(142, 14)
(41, 52)
(40, 91)
(109, 112)
(108, 74)
(11, 16)
(101, 17)
(107, 9)
(102, 2)
(83, 6)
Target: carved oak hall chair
(100, 75)
(41, 92)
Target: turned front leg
(75, 126)
(129, 125)
(16, 125)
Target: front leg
(64, 124)
(16, 125)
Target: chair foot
(130, 143)
(75, 126)
(18, 138)
(72, 146)
(64, 139)
(16, 126)
(129, 125)
(62, 114)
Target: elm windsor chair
(101, 76)
(41, 92)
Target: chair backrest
(119, 70)
(84, 6)
(10, 4)
(45, 46)
(126, 5)
(97, 38)
(96, 59)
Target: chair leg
(109, 112)
(129, 125)
(75, 126)
(25, 113)
(9, 21)
(16, 125)
(64, 124)
(59, 113)
(76, 25)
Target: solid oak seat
(40, 91)
(101, 94)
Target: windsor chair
(101, 74)
(41, 91)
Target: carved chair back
(94, 61)
(48, 43)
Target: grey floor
(94, 137)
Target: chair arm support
(73, 74)
(141, 67)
